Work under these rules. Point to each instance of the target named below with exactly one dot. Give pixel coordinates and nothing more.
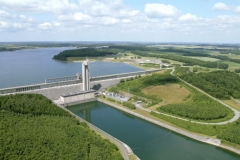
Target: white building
(78, 96)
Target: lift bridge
(67, 82)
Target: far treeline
(219, 84)
(86, 52)
(32, 127)
(182, 57)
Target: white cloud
(128, 13)
(106, 8)
(109, 21)
(45, 26)
(80, 17)
(221, 7)
(3, 13)
(188, 17)
(160, 10)
(237, 10)
(75, 19)
(3, 25)
(36, 6)
(126, 21)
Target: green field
(232, 66)
(205, 59)
(169, 93)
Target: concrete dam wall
(54, 93)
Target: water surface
(32, 66)
(148, 141)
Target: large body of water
(32, 66)
(147, 140)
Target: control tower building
(85, 75)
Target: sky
(195, 21)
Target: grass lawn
(205, 59)
(232, 65)
(233, 104)
(169, 93)
(233, 56)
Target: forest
(220, 84)
(32, 127)
(85, 52)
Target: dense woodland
(220, 84)
(32, 127)
(86, 52)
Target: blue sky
(213, 21)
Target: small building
(78, 96)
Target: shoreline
(204, 139)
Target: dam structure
(85, 75)
(53, 88)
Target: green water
(148, 141)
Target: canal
(148, 141)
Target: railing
(62, 81)
(114, 76)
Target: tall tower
(85, 75)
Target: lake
(32, 66)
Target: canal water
(148, 141)
(32, 66)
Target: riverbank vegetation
(228, 132)
(85, 52)
(32, 127)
